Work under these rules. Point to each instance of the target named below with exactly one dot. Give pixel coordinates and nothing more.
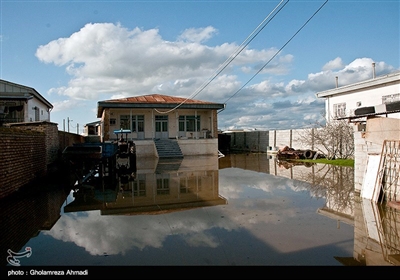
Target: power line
(277, 51)
(243, 45)
(240, 48)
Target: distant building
(91, 128)
(377, 96)
(19, 103)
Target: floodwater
(238, 210)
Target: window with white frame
(390, 98)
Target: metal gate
(389, 170)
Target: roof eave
(209, 106)
(378, 81)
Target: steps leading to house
(168, 148)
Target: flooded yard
(238, 210)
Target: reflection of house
(158, 187)
(155, 116)
(379, 95)
(20, 103)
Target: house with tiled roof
(193, 124)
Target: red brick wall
(27, 150)
(68, 139)
(51, 133)
(22, 158)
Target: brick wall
(68, 139)
(50, 131)
(23, 158)
(27, 150)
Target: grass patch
(340, 162)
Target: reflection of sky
(271, 209)
(236, 180)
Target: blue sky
(76, 53)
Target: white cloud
(64, 105)
(106, 58)
(198, 35)
(108, 61)
(294, 104)
(333, 64)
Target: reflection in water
(24, 215)
(376, 234)
(166, 188)
(236, 210)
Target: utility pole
(68, 120)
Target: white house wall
(149, 121)
(44, 114)
(30, 99)
(362, 98)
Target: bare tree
(335, 139)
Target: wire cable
(277, 52)
(238, 50)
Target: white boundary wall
(266, 141)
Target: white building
(193, 124)
(19, 103)
(374, 96)
(374, 107)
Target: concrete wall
(145, 148)
(264, 141)
(193, 147)
(370, 141)
(189, 147)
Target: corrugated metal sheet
(157, 101)
(156, 98)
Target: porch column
(195, 125)
(177, 123)
(152, 124)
